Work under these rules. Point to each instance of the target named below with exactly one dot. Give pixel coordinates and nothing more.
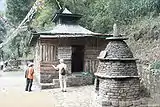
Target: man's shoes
(64, 91)
(30, 90)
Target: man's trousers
(29, 84)
(62, 81)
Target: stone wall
(48, 73)
(118, 68)
(118, 49)
(72, 80)
(47, 77)
(122, 89)
(114, 103)
(75, 80)
(117, 81)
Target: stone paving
(74, 97)
(12, 94)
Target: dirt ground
(12, 94)
(13, 98)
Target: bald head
(61, 61)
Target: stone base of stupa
(101, 102)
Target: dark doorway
(77, 58)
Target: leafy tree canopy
(17, 10)
(100, 15)
(15, 13)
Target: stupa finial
(115, 30)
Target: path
(12, 92)
(74, 97)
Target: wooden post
(52, 49)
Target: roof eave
(94, 34)
(73, 35)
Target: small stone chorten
(117, 82)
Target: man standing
(62, 74)
(1, 63)
(29, 77)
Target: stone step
(152, 105)
(74, 80)
(48, 85)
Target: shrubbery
(155, 65)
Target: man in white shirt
(62, 77)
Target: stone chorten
(117, 81)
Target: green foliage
(18, 47)
(17, 10)
(100, 15)
(2, 31)
(155, 65)
(15, 13)
(44, 17)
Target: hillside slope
(144, 39)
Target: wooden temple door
(77, 58)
